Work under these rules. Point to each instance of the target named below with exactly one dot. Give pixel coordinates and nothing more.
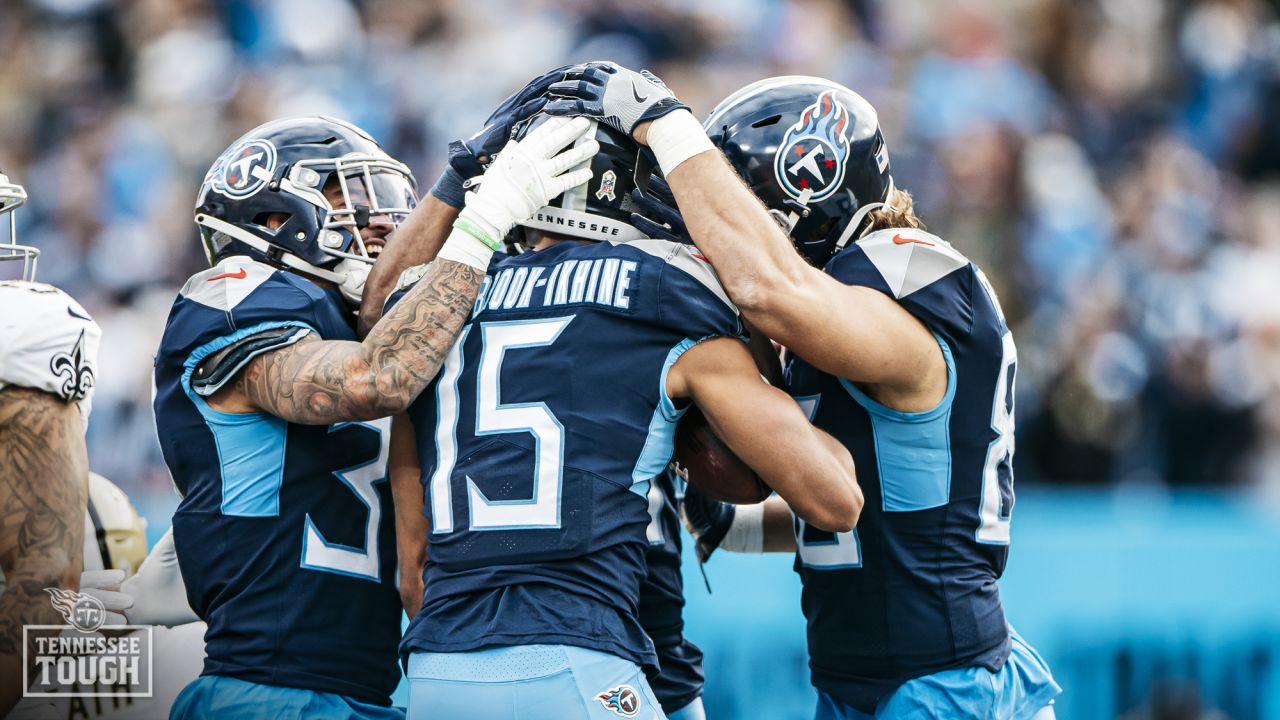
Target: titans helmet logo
(244, 169)
(814, 152)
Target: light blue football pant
(1024, 689)
(528, 682)
(223, 698)
(692, 711)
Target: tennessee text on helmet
(11, 196)
(599, 209)
(327, 178)
(812, 150)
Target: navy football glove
(656, 214)
(707, 520)
(612, 94)
(469, 158)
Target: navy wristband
(448, 188)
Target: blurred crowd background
(1113, 165)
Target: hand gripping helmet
(11, 196)
(289, 169)
(599, 209)
(811, 149)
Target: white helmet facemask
(12, 195)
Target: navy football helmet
(289, 169)
(811, 149)
(13, 195)
(599, 209)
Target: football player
(538, 442)
(898, 347)
(270, 414)
(48, 361)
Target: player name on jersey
(599, 281)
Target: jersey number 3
(320, 554)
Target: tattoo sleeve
(44, 473)
(318, 382)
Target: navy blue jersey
(285, 534)
(680, 679)
(912, 590)
(539, 439)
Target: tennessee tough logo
(622, 700)
(814, 152)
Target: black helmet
(811, 149)
(13, 195)
(599, 209)
(283, 167)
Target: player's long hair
(898, 212)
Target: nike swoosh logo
(71, 311)
(899, 240)
(234, 276)
(636, 94)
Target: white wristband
(676, 137)
(746, 533)
(463, 248)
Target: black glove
(469, 158)
(707, 520)
(656, 214)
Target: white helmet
(11, 196)
(115, 536)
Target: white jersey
(47, 342)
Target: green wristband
(476, 232)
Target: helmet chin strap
(857, 218)
(789, 221)
(262, 246)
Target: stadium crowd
(1112, 164)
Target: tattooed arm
(44, 474)
(416, 241)
(317, 382)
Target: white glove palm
(528, 174)
(158, 593)
(105, 585)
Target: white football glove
(527, 175)
(105, 585)
(158, 593)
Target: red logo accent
(899, 240)
(701, 257)
(235, 275)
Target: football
(708, 464)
